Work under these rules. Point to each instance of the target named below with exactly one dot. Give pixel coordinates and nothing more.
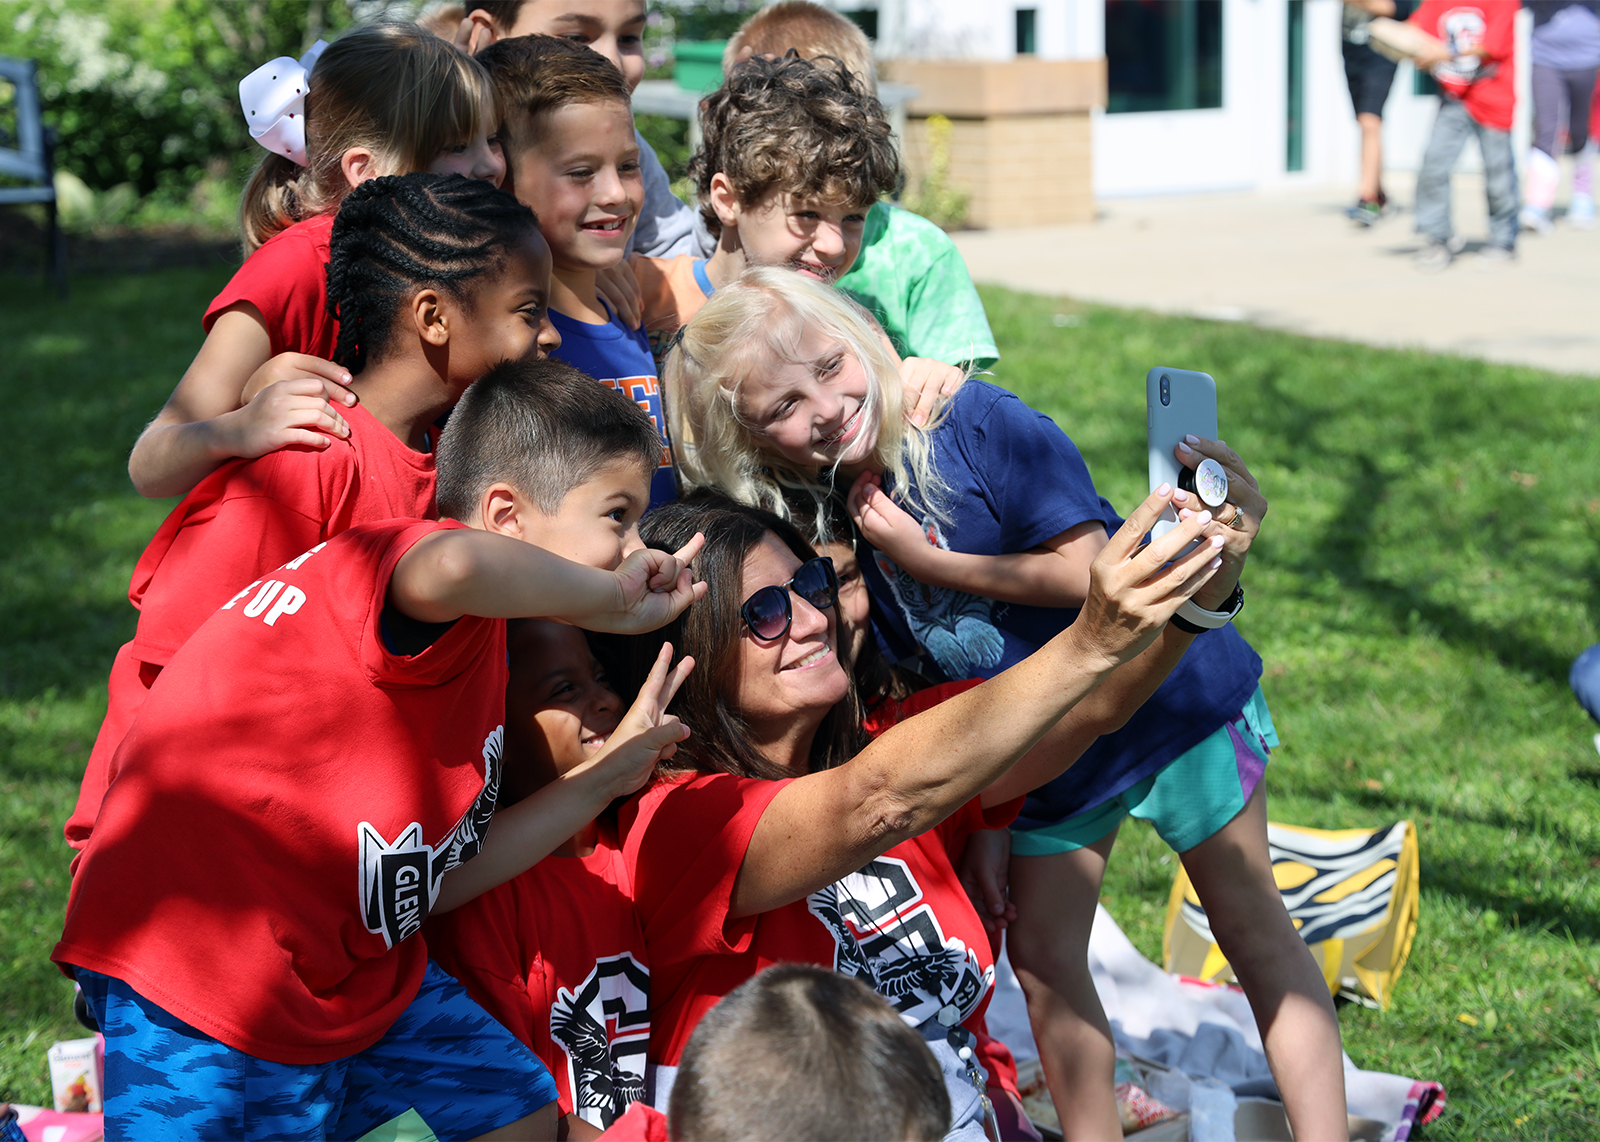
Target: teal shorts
(1199, 791)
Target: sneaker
(1493, 257)
(1365, 212)
(1580, 212)
(1434, 256)
(1536, 220)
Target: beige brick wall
(1020, 170)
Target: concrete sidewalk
(1292, 261)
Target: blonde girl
(980, 532)
(389, 98)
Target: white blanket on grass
(1204, 1031)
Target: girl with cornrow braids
(385, 99)
(435, 279)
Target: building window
(1295, 103)
(864, 18)
(1163, 55)
(1027, 38)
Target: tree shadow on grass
(1345, 546)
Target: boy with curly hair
(797, 155)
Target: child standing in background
(383, 99)
(1474, 63)
(573, 157)
(1565, 54)
(419, 265)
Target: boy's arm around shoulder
(464, 571)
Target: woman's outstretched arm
(1110, 706)
(826, 825)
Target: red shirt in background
(891, 713)
(284, 808)
(1486, 87)
(287, 280)
(245, 518)
(557, 956)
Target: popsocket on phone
(1209, 481)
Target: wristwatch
(1197, 620)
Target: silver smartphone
(1179, 402)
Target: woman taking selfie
(785, 836)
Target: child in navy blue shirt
(571, 155)
(979, 556)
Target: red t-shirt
(902, 924)
(284, 808)
(642, 1123)
(993, 1054)
(891, 713)
(244, 518)
(557, 956)
(287, 280)
(1487, 88)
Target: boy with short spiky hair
(315, 771)
(807, 29)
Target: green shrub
(145, 92)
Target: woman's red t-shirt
(902, 924)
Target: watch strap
(1197, 620)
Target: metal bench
(32, 160)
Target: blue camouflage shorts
(463, 1072)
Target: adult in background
(1369, 77)
(1565, 52)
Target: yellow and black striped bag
(1352, 893)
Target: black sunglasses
(767, 612)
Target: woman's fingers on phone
(1192, 449)
(1124, 543)
(1164, 549)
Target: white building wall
(1243, 144)
(1239, 146)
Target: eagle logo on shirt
(886, 935)
(1462, 30)
(953, 626)
(603, 1025)
(400, 879)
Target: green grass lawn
(1427, 574)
